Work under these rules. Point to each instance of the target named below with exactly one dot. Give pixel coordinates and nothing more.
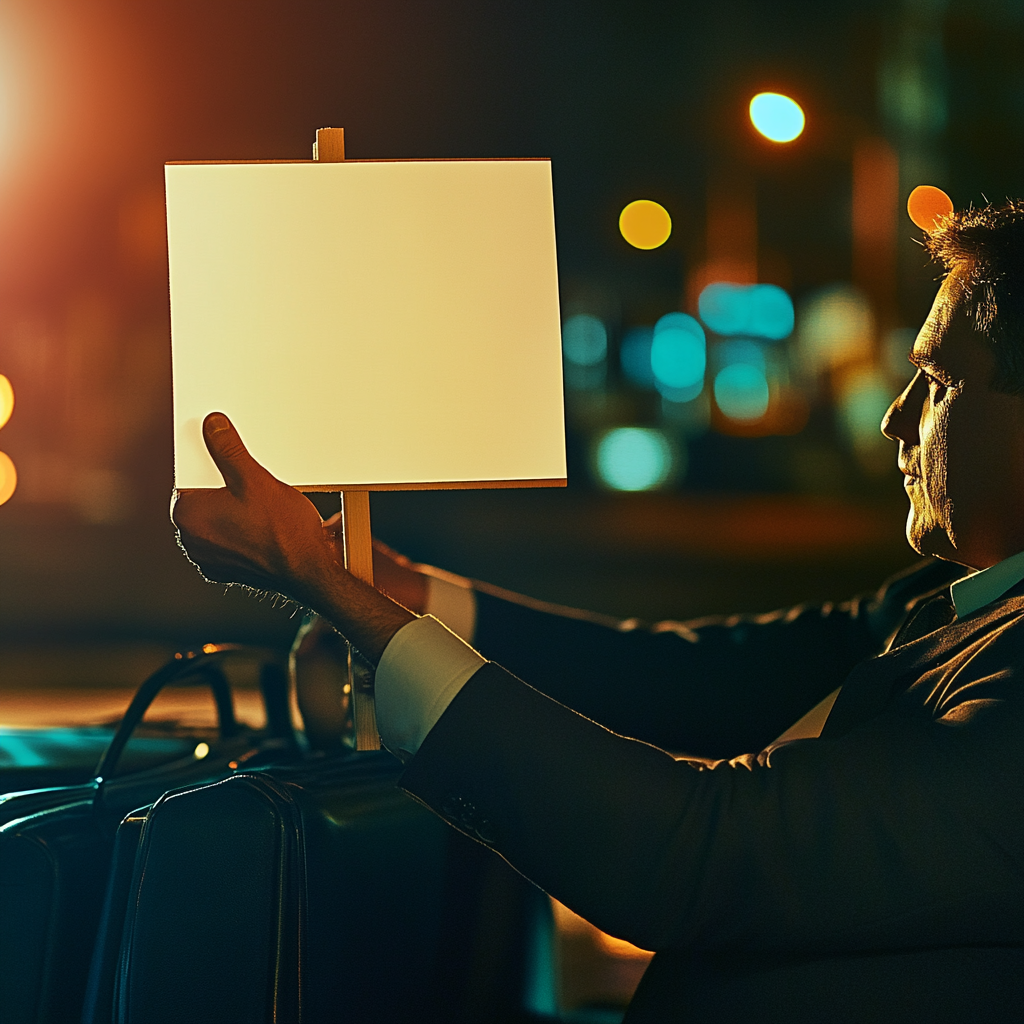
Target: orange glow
(928, 206)
(8, 477)
(876, 203)
(645, 224)
(6, 399)
(569, 923)
(621, 948)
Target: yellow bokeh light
(202, 749)
(6, 399)
(645, 224)
(928, 206)
(777, 117)
(8, 478)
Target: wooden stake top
(330, 145)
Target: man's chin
(928, 538)
(934, 544)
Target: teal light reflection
(740, 350)
(678, 357)
(584, 340)
(741, 391)
(635, 357)
(756, 310)
(633, 459)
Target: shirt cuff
(451, 599)
(422, 669)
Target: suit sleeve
(713, 687)
(906, 831)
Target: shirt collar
(980, 588)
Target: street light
(777, 117)
(645, 224)
(8, 474)
(928, 206)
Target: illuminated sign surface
(388, 323)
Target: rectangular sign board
(377, 324)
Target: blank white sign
(368, 324)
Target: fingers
(228, 452)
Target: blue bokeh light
(777, 117)
(634, 459)
(770, 312)
(635, 357)
(741, 391)
(678, 357)
(740, 350)
(584, 340)
(757, 310)
(679, 322)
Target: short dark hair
(987, 246)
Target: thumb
(226, 448)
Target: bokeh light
(756, 310)
(865, 395)
(740, 350)
(777, 117)
(6, 399)
(634, 459)
(584, 340)
(678, 357)
(645, 224)
(836, 326)
(896, 346)
(635, 357)
(8, 478)
(928, 207)
(741, 391)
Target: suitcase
(56, 843)
(320, 893)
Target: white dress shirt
(430, 659)
(426, 663)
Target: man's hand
(256, 530)
(262, 533)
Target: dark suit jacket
(874, 874)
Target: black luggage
(320, 893)
(56, 843)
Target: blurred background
(729, 351)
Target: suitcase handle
(198, 668)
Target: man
(865, 866)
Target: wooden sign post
(355, 517)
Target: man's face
(961, 443)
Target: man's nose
(901, 421)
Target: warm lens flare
(6, 399)
(928, 206)
(777, 117)
(645, 224)
(8, 478)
